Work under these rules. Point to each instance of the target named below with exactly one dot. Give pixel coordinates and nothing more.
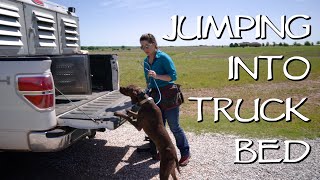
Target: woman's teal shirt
(162, 65)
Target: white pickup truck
(51, 95)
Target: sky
(122, 22)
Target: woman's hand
(152, 74)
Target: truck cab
(51, 93)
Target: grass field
(203, 72)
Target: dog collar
(145, 100)
(141, 95)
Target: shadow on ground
(87, 159)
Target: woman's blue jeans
(171, 116)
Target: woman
(160, 72)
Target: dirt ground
(113, 155)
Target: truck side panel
(14, 127)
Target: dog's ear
(121, 90)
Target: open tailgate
(98, 113)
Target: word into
(260, 22)
(268, 144)
(235, 62)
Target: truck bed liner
(101, 107)
(64, 105)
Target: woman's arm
(164, 77)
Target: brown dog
(149, 118)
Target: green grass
(203, 71)
(295, 129)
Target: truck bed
(94, 111)
(64, 105)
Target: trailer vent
(45, 29)
(10, 34)
(71, 33)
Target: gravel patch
(113, 155)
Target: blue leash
(148, 87)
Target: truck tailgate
(98, 113)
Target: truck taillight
(37, 89)
(37, 83)
(39, 2)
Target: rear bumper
(55, 140)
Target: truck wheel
(92, 134)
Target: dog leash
(148, 87)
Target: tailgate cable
(76, 106)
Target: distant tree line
(243, 44)
(104, 48)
